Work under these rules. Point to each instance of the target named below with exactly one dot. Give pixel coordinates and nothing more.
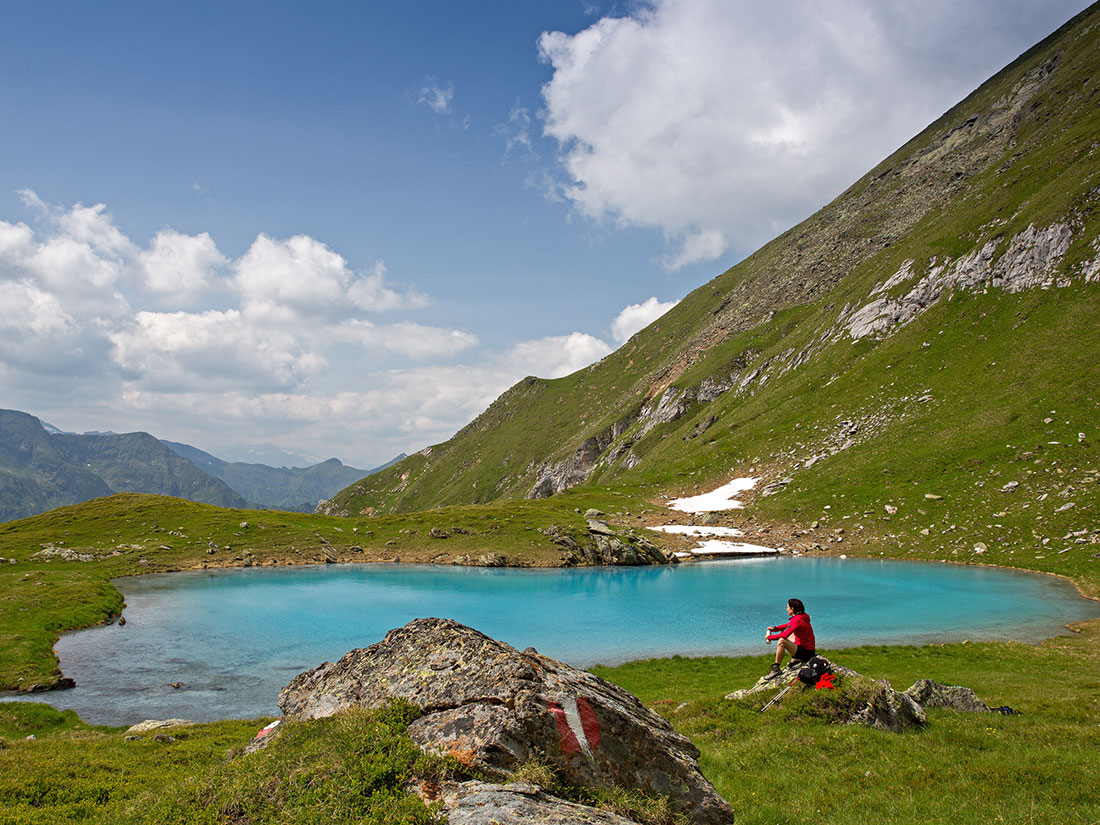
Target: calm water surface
(234, 638)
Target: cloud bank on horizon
(713, 125)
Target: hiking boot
(775, 671)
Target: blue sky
(344, 228)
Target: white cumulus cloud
(636, 317)
(554, 356)
(723, 123)
(180, 266)
(407, 338)
(211, 349)
(301, 278)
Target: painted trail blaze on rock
(578, 726)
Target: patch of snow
(715, 547)
(720, 499)
(689, 530)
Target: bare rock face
(888, 709)
(605, 544)
(495, 708)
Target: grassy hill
(929, 333)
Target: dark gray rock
(603, 545)
(887, 709)
(495, 708)
(600, 528)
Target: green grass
(350, 768)
(790, 765)
(979, 391)
(781, 766)
(995, 364)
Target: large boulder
(495, 709)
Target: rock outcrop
(1030, 261)
(156, 724)
(873, 702)
(929, 694)
(604, 544)
(496, 709)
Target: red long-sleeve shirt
(799, 625)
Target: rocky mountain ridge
(282, 488)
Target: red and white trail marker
(577, 725)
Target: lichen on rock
(495, 708)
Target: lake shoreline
(855, 548)
(662, 648)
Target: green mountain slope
(40, 471)
(930, 333)
(283, 488)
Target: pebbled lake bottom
(232, 639)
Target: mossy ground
(350, 768)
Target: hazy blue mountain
(40, 470)
(282, 488)
(268, 454)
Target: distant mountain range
(283, 488)
(42, 468)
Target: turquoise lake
(234, 638)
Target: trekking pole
(776, 698)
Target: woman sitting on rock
(796, 637)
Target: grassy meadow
(781, 766)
